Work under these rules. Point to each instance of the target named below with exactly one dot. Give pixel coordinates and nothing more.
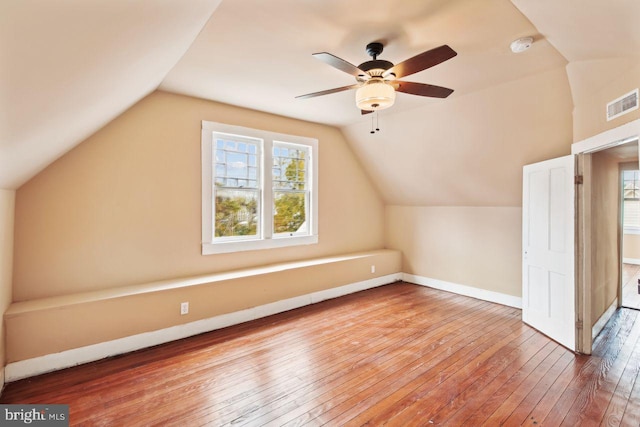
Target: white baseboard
(469, 291)
(602, 321)
(51, 362)
(634, 261)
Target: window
(290, 189)
(259, 189)
(631, 197)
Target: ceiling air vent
(623, 105)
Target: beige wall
(631, 246)
(122, 312)
(468, 150)
(596, 83)
(124, 206)
(605, 257)
(469, 165)
(7, 198)
(474, 246)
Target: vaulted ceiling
(68, 67)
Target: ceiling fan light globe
(375, 95)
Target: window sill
(631, 230)
(255, 245)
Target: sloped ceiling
(257, 54)
(69, 67)
(587, 29)
(600, 39)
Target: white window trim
(265, 240)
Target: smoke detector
(521, 44)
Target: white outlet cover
(184, 308)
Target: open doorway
(599, 227)
(630, 236)
(600, 218)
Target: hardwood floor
(400, 355)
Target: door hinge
(579, 324)
(578, 179)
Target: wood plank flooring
(401, 355)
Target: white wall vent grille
(623, 105)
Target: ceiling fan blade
(363, 112)
(327, 92)
(422, 89)
(421, 62)
(340, 64)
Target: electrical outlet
(184, 308)
(373, 269)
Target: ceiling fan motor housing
(372, 67)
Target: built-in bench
(57, 332)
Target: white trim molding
(469, 291)
(39, 365)
(607, 139)
(602, 321)
(634, 261)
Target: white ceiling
(257, 54)
(584, 30)
(71, 66)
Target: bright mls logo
(34, 415)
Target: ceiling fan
(376, 79)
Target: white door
(548, 243)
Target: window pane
(253, 173)
(236, 212)
(235, 165)
(631, 213)
(220, 174)
(220, 156)
(289, 215)
(289, 169)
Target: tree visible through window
(236, 186)
(259, 189)
(290, 193)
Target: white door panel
(548, 240)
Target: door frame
(611, 138)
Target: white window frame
(290, 145)
(265, 238)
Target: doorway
(630, 235)
(598, 227)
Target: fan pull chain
(377, 123)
